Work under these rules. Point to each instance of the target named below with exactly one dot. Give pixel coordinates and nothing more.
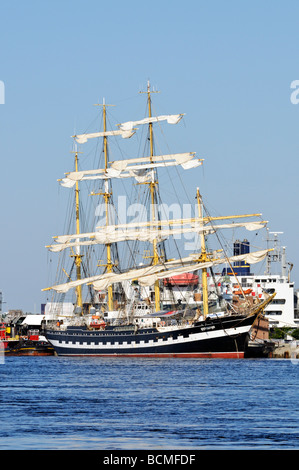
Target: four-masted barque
(154, 330)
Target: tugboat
(29, 344)
(30, 347)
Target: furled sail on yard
(118, 233)
(126, 130)
(138, 168)
(149, 274)
(171, 119)
(83, 138)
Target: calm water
(121, 403)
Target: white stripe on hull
(207, 335)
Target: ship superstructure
(232, 286)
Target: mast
(203, 257)
(107, 194)
(78, 256)
(152, 185)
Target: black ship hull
(225, 337)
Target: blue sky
(227, 65)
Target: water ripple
(114, 403)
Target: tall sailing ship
(118, 320)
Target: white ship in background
(283, 310)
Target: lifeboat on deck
(186, 279)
